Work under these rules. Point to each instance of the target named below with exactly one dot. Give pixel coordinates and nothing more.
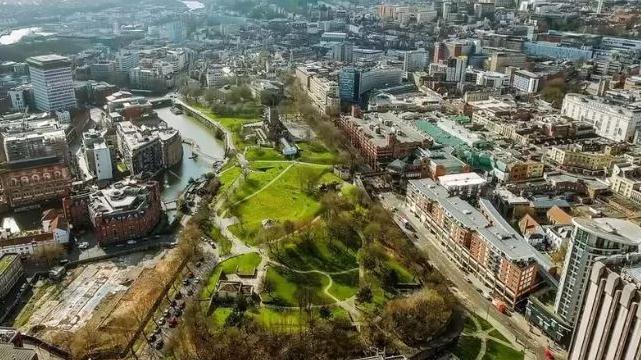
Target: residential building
(610, 322)
(148, 149)
(11, 272)
(591, 238)
(468, 185)
(54, 231)
(38, 139)
(97, 155)
(382, 137)
(626, 181)
(123, 105)
(480, 242)
(611, 121)
(571, 158)
(126, 60)
(499, 60)
(52, 82)
(525, 81)
(124, 211)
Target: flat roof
(6, 260)
(49, 61)
(463, 179)
(617, 230)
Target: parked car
(83, 245)
(172, 322)
(131, 242)
(159, 344)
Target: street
(522, 334)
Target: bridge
(195, 149)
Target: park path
(484, 336)
(264, 187)
(346, 304)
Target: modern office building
(10, 272)
(348, 85)
(591, 238)
(52, 82)
(611, 121)
(610, 324)
(525, 81)
(415, 60)
(97, 155)
(379, 78)
(554, 50)
(321, 87)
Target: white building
(590, 239)
(525, 81)
(464, 185)
(52, 82)
(126, 60)
(611, 121)
(415, 60)
(97, 155)
(215, 76)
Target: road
(526, 337)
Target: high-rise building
(610, 324)
(52, 82)
(348, 85)
(97, 155)
(342, 52)
(591, 238)
(414, 60)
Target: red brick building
(480, 242)
(127, 210)
(24, 185)
(383, 137)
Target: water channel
(177, 178)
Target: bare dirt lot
(98, 306)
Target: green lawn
(497, 335)
(345, 285)
(280, 320)
(315, 152)
(263, 154)
(317, 254)
(220, 315)
(468, 348)
(242, 264)
(288, 286)
(496, 351)
(485, 325)
(469, 327)
(282, 200)
(227, 177)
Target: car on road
(178, 312)
(185, 282)
(161, 321)
(131, 242)
(83, 245)
(172, 322)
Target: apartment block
(480, 242)
(10, 272)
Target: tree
(558, 256)
(419, 317)
(325, 312)
(364, 294)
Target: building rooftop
(120, 199)
(379, 126)
(6, 260)
(460, 180)
(617, 230)
(10, 352)
(49, 61)
(489, 223)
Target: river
(177, 178)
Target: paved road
(530, 340)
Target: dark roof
(11, 352)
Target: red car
(172, 322)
